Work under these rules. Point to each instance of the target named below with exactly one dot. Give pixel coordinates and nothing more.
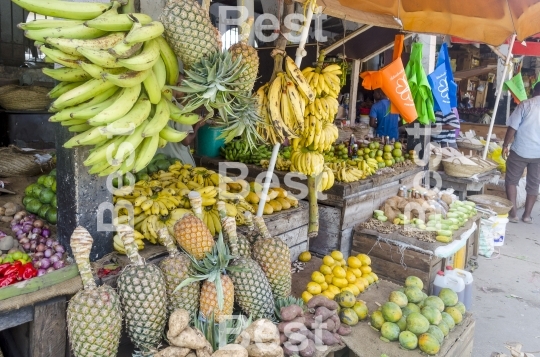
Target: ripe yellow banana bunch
(326, 180)
(324, 80)
(112, 91)
(318, 136)
(349, 174)
(150, 226)
(323, 108)
(282, 104)
(212, 221)
(309, 163)
(119, 245)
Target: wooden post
(355, 80)
(48, 331)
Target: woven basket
(16, 162)
(467, 144)
(497, 204)
(489, 165)
(432, 165)
(453, 167)
(14, 97)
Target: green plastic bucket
(208, 143)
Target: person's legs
(515, 166)
(533, 184)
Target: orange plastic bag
(393, 82)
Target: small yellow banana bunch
(282, 104)
(324, 80)
(310, 163)
(349, 174)
(318, 135)
(160, 203)
(325, 180)
(119, 245)
(211, 220)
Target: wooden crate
(398, 257)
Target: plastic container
(459, 258)
(208, 143)
(438, 283)
(468, 280)
(499, 230)
(455, 283)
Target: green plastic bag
(517, 88)
(419, 84)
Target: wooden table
(464, 185)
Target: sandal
(528, 221)
(513, 220)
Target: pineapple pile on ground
(417, 320)
(337, 275)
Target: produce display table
(341, 207)
(395, 257)
(464, 185)
(364, 341)
(42, 302)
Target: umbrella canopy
(487, 21)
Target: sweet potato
(321, 300)
(190, 338)
(173, 351)
(262, 330)
(328, 338)
(282, 338)
(296, 338)
(264, 350)
(291, 312)
(330, 325)
(309, 350)
(290, 326)
(310, 321)
(324, 313)
(287, 351)
(337, 322)
(338, 337)
(232, 350)
(344, 330)
(178, 321)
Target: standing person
(447, 124)
(380, 118)
(182, 149)
(524, 131)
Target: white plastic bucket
(499, 230)
(364, 119)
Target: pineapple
(193, 236)
(176, 269)
(274, 257)
(94, 317)
(249, 57)
(143, 294)
(217, 291)
(189, 31)
(244, 247)
(252, 290)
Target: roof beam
(347, 38)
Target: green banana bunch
(113, 87)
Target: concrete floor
(507, 292)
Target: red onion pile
(34, 237)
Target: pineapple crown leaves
(211, 267)
(225, 332)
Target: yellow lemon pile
(336, 275)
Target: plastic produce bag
(496, 155)
(486, 244)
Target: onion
(21, 235)
(24, 240)
(41, 247)
(33, 247)
(49, 242)
(26, 247)
(17, 228)
(31, 217)
(37, 264)
(47, 253)
(41, 272)
(59, 264)
(38, 255)
(27, 228)
(55, 258)
(42, 240)
(59, 255)
(36, 230)
(59, 249)
(45, 263)
(46, 232)
(50, 269)
(38, 223)
(19, 215)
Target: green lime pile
(40, 197)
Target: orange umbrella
(487, 21)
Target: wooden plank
(296, 250)
(345, 242)
(296, 236)
(38, 283)
(288, 220)
(329, 219)
(48, 330)
(16, 317)
(364, 243)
